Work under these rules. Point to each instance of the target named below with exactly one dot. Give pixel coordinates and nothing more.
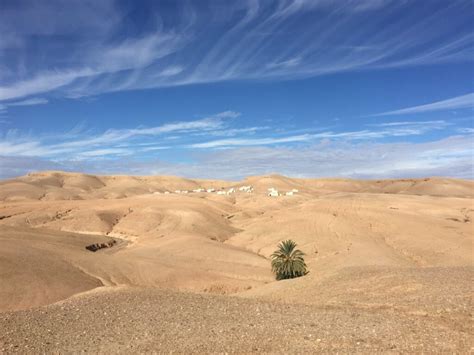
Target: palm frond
(288, 262)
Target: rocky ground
(125, 320)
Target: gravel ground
(128, 320)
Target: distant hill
(57, 185)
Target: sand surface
(391, 265)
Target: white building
(273, 192)
(247, 189)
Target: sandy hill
(56, 185)
(425, 186)
(402, 246)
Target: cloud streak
(459, 102)
(252, 142)
(450, 157)
(28, 102)
(322, 37)
(388, 130)
(193, 136)
(106, 143)
(381, 150)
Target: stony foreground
(128, 320)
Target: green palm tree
(288, 262)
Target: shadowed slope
(38, 267)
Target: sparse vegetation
(288, 262)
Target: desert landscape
(236, 177)
(157, 263)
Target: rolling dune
(401, 246)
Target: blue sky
(225, 89)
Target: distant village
(272, 192)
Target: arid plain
(390, 261)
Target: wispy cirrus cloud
(469, 130)
(86, 52)
(451, 156)
(104, 152)
(252, 150)
(99, 67)
(28, 102)
(459, 102)
(432, 124)
(113, 136)
(382, 130)
(252, 141)
(194, 135)
(107, 142)
(42, 82)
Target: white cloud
(131, 54)
(469, 130)
(32, 148)
(106, 142)
(135, 53)
(231, 132)
(42, 82)
(432, 124)
(251, 142)
(76, 143)
(171, 71)
(302, 152)
(154, 148)
(241, 41)
(459, 102)
(293, 62)
(451, 156)
(372, 134)
(104, 152)
(396, 129)
(28, 102)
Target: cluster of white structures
(230, 191)
(275, 193)
(248, 189)
(245, 189)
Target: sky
(226, 89)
